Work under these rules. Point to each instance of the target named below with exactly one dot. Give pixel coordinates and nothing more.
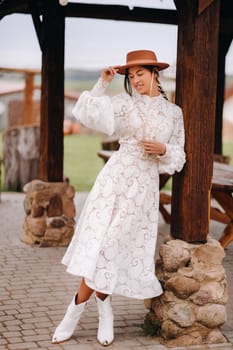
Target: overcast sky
(92, 43)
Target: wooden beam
(13, 6)
(111, 12)
(37, 23)
(121, 13)
(52, 94)
(203, 4)
(115, 12)
(20, 70)
(196, 92)
(226, 26)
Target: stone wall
(50, 213)
(193, 305)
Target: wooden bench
(222, 192)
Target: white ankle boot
(105, 330)
(67, 326)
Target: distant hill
(81, 74)
(229, 80)
(81, 79)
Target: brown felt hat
(141, 58)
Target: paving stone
(11, 334)
(28, 332)
(22, 346)
(37, 291)
(15, 340)
(3, 341)
(78, 347)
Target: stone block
(70, 192)
(170, 330)
(182, 286)
(55, 207)
(211, 315)
(56, 222)
(183, 314)
(69, 208)
(193, 306)
(211, 292)
(35, 226)
(174, 258)
(36, 210)
(207, 255)
(50, 213)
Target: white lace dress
(114, 242)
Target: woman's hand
(107, 74)
(153, 147)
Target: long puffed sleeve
(174, 158)
(94, 109)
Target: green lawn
(228, 150)
(82, 164)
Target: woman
(114, 243)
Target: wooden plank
(226, 24)
(20, 70)
(28, 99)
(223, 177)
(116, 12)
(203, 4)
(217, 215)
(196, 86)
(37, 23)
(147, 15)
(52, 93)
(13, 6)
(227, 236)
(225, 200)
(121, 13)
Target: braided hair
(152, 69)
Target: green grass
(228, 150)
(82, 164)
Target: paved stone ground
(35, 291)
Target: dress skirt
(113, 246)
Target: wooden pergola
(205, 31)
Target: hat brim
(160, 65)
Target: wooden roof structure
(205, 31)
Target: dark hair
(128, 87)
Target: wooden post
(196, 86)
(28, 99)
(52, 93)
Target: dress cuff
(99, 88)
(166, 154)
